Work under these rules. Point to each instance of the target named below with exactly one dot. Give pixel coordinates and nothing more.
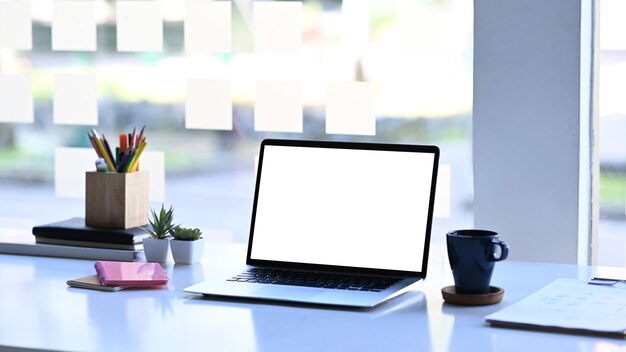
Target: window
(612, 149)
(209, 80)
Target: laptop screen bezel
(346, 145)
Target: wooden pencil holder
(116, 200)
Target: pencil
(106, 157)
(100, 145)
(107, 148)
(129, 160)
(135, 159)
(93, 144)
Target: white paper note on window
(207, 27)
(278, 107)
(139, 26)
(74, 25)
(75, 100)
(355, 24)
(277, 26)
(16, 99)
(209, 105)
(70, 165)
(351, 108)
(15, 25)
(154, 163)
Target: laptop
(335, 223)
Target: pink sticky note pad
(130, 273)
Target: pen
(123, 142)
(604, 281)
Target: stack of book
(72, 239)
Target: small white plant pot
(156, 250)
(187, 252)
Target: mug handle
(504, 250)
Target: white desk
(37, 310)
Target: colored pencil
(137, 155)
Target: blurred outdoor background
(418, 54)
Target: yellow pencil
(105, 155)
(135, 160)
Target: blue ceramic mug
(472, 255)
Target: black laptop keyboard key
(315, 279)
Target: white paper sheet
(355, 21)
(207, 27)
(139, 26)
(209, 105)
(75, 100)
(278, 107)
(350, 108)
(569, 304)
(15, 25)
(74, 25)
(154, 163)
(16, 99)
(70, 165)
(277, 26)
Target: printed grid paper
(16, 99)
(15, 25)
(75, 100)
(209, 105)
(74, 25)
(139, 26)
(277, 26)
(443, 193)
(278, 107)
(350, 108)
(70, 165)
(207, 27)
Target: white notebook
(24, 244)
(569, 305)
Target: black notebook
(74, 229)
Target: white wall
(529, 116)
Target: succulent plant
(186, 234)
(162, 223)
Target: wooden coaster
(494, 296)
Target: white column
(533, 119)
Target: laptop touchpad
(295, 293)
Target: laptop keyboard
(315, 279)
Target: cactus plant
(162, 223)
(186, 234)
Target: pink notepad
(130, 273)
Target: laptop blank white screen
(345, 207)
